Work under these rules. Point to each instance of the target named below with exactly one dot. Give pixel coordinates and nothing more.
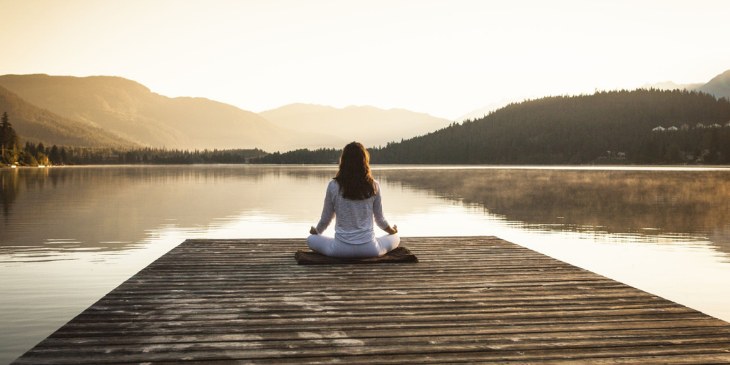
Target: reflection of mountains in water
(633, 201)
(111, 208)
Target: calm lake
(69, 235)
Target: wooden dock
(469, 299)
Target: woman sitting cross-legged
(353, 196)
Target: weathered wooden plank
(289, 311)
(315, 345)
(436, 327)
(547, 332)
(488, 352)
(470, 299)
(294, 312)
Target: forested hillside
(37, 125)
(606, 127)
(627, 127)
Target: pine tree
(55, 155)
(8, 141)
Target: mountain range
(114, 111)
(718, 86)
(137, 115)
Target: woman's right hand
(392, 230)
(313, 230)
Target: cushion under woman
(354, 197)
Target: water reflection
(112, 208)
(59, 209)
(636, 204)
(8, 189)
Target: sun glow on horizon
(445, 58)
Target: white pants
(329, 246)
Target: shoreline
(617, 167)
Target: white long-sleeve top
(354, 222)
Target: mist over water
(70, 235)
(644, 204)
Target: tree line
(157, 156)
(301, 156)
(41, 155)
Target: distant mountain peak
(296, 108)
(368, 124)
(671, 85)
(725, 75)
(719, 85)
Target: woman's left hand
(313, 230)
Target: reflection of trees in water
(13, 182)
(616, 201)
(142, 198)
(8, 189)
(112, 208)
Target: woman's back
(354, 222)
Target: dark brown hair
(354, 177)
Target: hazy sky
(445, 58)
